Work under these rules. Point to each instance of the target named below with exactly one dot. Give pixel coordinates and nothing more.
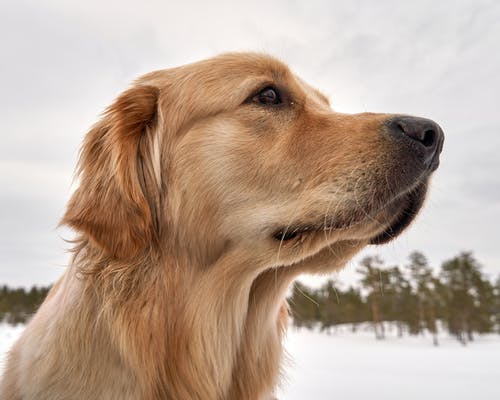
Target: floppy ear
(113, 204)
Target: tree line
(414, 298)
(18, 305)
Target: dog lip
(404, 218)
(406, 208)
(293, 231)
(289, 233)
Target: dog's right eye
(268, 96)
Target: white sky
(63, 62)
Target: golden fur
(177, 285)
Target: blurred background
(63, 62)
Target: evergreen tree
(353, 308)
(482, 319)
(496, 307)
(434, 303)
(398, 290)
(421, 278)
(329, 305)
(461, 275)
(372, 281)
(304, 305)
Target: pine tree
(496, 306)
(371, 280)
(400, 296)
(353, 308)
(421, 277)
(434, 302)
(304, 305)
(329, 305)
(482, 320)
(461, 275)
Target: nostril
(429, 138)
(420, 136)
(421, 130)
(401, 127)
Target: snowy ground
(356, 367)
(8, 335)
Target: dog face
(238, 151)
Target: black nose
(426, 136)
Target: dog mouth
(404, 213)
(399, 214)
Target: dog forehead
(257, 67)
(252, 64)
(223, 71)
(264, 65)
(314, 93)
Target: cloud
(63, 62)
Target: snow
(357, 367)
(8, 335)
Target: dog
(204, 191)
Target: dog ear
(113, 203)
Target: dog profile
(204, 191)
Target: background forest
(415, 298)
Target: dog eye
(268, 96)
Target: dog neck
(191, 331)
(202, 332)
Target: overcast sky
(62, 63)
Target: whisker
(289, 224)
(307, 297)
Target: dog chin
(403, 211)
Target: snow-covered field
(8, 335)
(356, 367)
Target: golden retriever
(204, 191)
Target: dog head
(238, 151)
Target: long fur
(177, 286)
